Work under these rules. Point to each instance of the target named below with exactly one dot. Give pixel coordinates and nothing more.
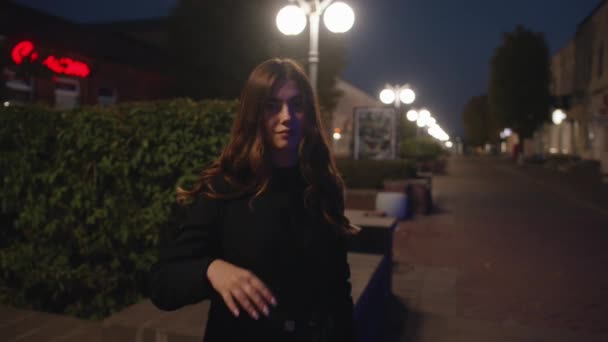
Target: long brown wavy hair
(246, 164)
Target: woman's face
(284, 117)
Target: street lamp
(291, 20)
(424, 117)
(397, 94)
(558, 116)
(412, 115)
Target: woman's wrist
(209, 270)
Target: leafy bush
(372, 173)
(421, 149)
(85, 194)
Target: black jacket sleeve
(179, 277)
(343, 297)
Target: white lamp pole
(291, 20)
(396, 95)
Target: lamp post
(558, 117)
(291, 20)
(397, 94)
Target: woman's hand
(236, 284)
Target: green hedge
(86, 193)
(372, 173)
(421, 149)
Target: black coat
(300, 259)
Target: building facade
(580, 88)
(352, 97)
(46, 59)
(561, 138)
(597, 91)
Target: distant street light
(424, 117)
(412, 115)
(337, 135)
(291, 20)
(558, 116)
(397, 94)
(387, 96)
(407, 96)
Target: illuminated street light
(448, 144)
(387, 96)
(425, 114)
(423, 118)
(337, 134)
(407, 96)
(339, 17)
(412, 115)
(438, 133)
(397, 94)
(291, 20)
(558, 116)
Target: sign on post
(374, 133)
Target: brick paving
(506, 258)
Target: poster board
(374, 133)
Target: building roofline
(46, 26)
(590, 15)
(356, 89)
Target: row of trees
(518, 91)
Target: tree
(518, 91)
(216, 45)
(480, 125)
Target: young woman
(265, 237)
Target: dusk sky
(441, 48)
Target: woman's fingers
(256, 298)
(240, 287)
(231, 304)
(243, 299)
(263, 290)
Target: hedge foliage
(85, 193)
(421, 149)
(372, 173)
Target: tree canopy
(518, 91)
(480, 125)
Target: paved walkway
(507, 258)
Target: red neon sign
(62, 65)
